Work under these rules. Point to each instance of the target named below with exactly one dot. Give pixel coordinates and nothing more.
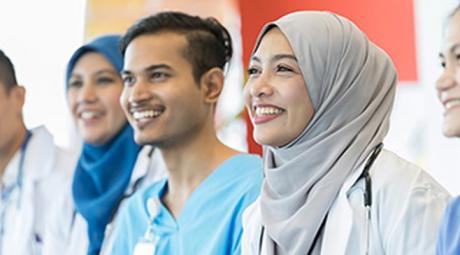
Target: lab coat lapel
(339, 221)
(20, 222)
(39, 158)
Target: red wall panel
(389, 24)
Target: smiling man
(173, 76)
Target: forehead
(452, 33)
(162, 47)
(92, 60)
(273, 42)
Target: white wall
(39, 37)
(416, 124)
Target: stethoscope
(367, 201)
(17, 185)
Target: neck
(189, 163)
(11, 147)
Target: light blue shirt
(210, 222)
(449, 236)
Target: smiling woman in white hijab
(320, 96)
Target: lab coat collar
(38, 159)
(340, 218)
(141, 167)
(39, 155)
(11, 173)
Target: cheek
(246, 96)
(112, 97)
(300, 105)
(116, 109)
(124, 99)
(72, 100)
(457, 75)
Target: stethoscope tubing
(8, 191)
(367, 198)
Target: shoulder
(454, 209)
(449, 235)
(393, 174)
(246, 174)
(406, 200)
(54, 160)
(452, 217)
(246, 166)
(247, 163)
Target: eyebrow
(451, 49)
(149, 69)
(107, 70)
(276, 57)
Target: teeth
(146, 114)
(88, 115)
(444, 95)
(452, 104)
(268, 111)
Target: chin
(450, 130)
(265, 140)
(451, 133)
(145, 139)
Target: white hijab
(351, 83)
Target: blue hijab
(103, 171)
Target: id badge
(144, 247)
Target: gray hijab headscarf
(351, 83)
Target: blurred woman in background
(111, 165)
(448, 90)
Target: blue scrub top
(449, 235)
(210, 222)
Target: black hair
(7, 73)
(209, 43)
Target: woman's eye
(75, 84)
(443, 64)
(281, 68)
(252, 71)
(105, 80)
(128, 80)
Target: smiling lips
(266, 113)
(449, 102)
(89, 117)
(144, 116)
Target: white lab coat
(407, 206)
(28, 211)
(67, 234)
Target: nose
(138, 93)
(446, 81)
(260, 86)
(87, 94)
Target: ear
(18, 94)
(212, 83)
